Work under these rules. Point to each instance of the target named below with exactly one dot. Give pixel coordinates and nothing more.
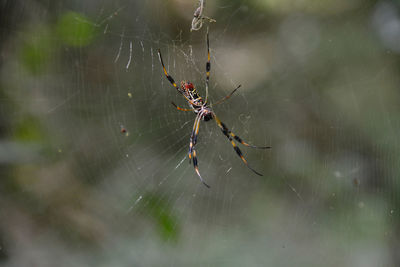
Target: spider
(204, 112)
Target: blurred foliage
(37, 49)
(74, 29)
(29, 129)
(319, 84)
(311, 6)
(161, 214)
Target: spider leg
(193, 136)
(228, 96)
(197, 169)
(192, 151)
(181, 109)
(208, 66)
(231, 135)
(172, 81)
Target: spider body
(196, 101)
(190, 92)
(204, 112)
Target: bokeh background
(93, 161)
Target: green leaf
(29, 130)
(74, 29)
(161, 214)
(36, 50)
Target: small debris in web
(124, 131)
(120, 46)
(297, 193)
(130, 95)
(134, 204)
(108, 18)
(130, 56)
(198, 17)
(179, 164)
(141, 44)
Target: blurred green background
(93, 161)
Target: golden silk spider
(204, 112)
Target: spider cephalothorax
(196, 101)
(204, 112)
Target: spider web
(108, 179)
